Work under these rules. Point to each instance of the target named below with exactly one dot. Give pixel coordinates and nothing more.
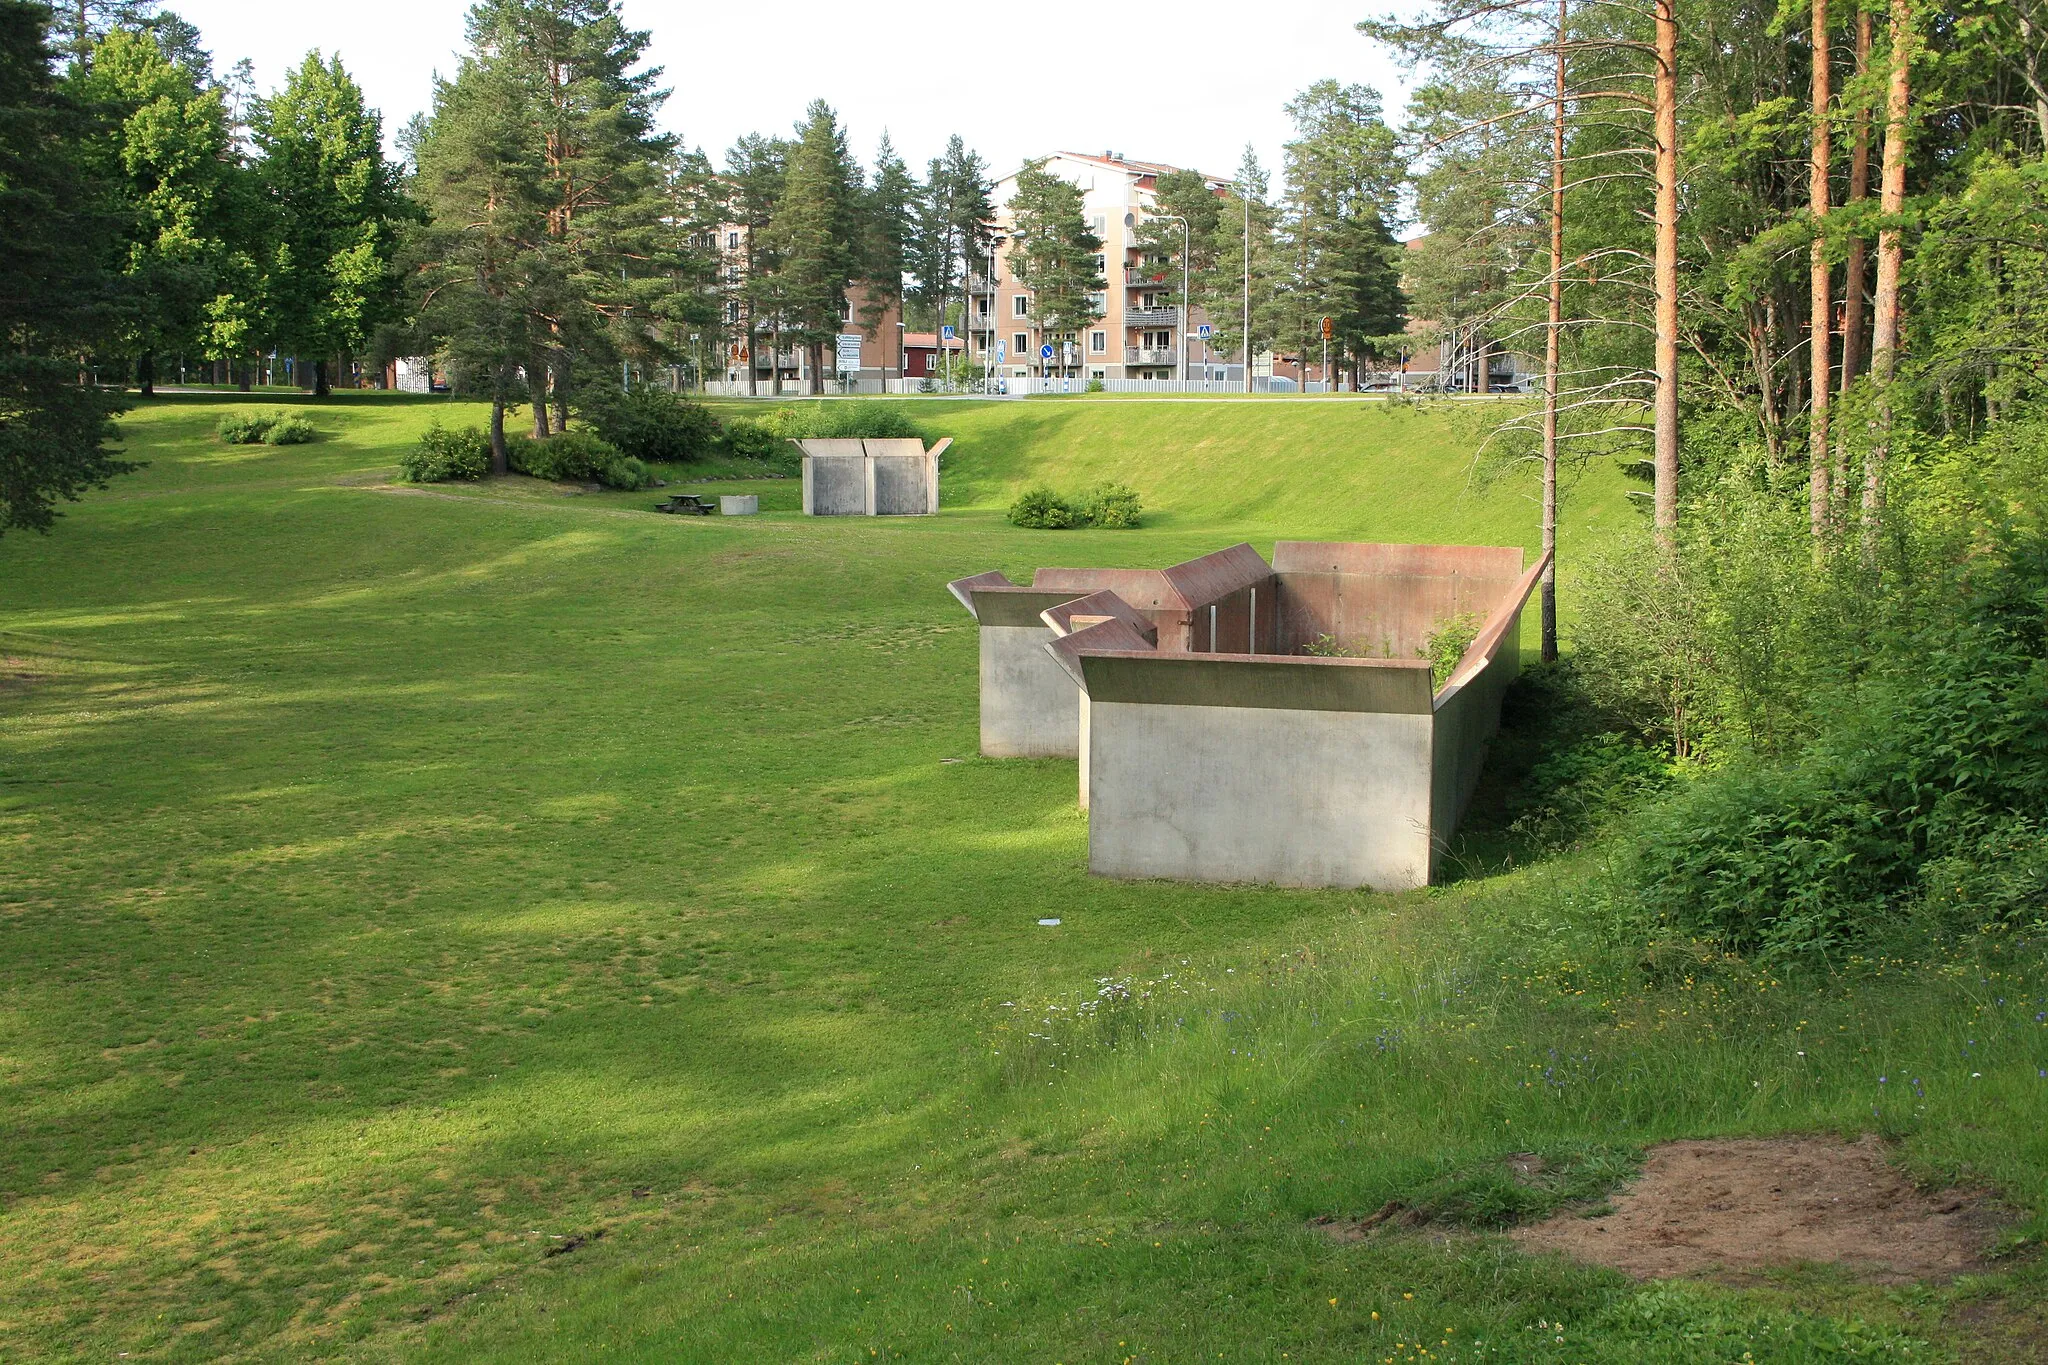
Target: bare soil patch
(1727, 1209)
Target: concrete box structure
(846, 477)
(739, 504)
(1213, 748)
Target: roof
(930, 341)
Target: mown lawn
(398, 886)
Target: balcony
(1151, 317)
(1151, 355)
(1155, 275)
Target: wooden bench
(688, 504)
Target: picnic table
(688, 504)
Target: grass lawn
(500, 923)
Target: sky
(1186, 83)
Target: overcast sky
(1187, 83)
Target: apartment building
(1137, 334)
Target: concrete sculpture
(845, 477)
(1213, 748)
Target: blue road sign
(946, 332)
(1002, 351)
(1045, 351)
(1204, 330)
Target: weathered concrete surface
(1467, 708)
(739, 504)
(1384, 600)
(1259, 794)
(1028, 705)
(895, 477)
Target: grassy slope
(400, 884)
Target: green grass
(397, 885)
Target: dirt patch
(1723, 1209)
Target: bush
(1919, 792)
(627, 473)
(843, 420)
(1112, 506)
(653, 424)
(246, 428)
(565, 457)
(443, 455)
(1041, 509)
(289, 431)
(1447, 644)
(752, 438)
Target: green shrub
(289, 431)
(1920, 793)
(753, 438)
(1096, 386)
(653, 424)
(246, 428)
(566, 457)
(1113, 506)
(843, 420)
(627, 473)
(443, 455)
(1041, 509)
(1446, 645)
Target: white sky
(1186, 83)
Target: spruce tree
(334, 209)
(815, 229)
(55, 235)
(755, 168)
(886, 222)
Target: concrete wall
(899, 488)
(1384, 600)
(1259, 794)
(1028, 705)
(836, 485)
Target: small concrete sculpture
(1212, 748)
(845, 477)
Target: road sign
(1328, 330)
(1045, 351)
(848, 352)
(1002, 351)
(1204, 331)
(946, 332)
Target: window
(1020, 306)
(846, 310)
(732, 274)
(1098, 342)
(1020, 345)
(732, 241)
(732, 312)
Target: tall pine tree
(816, 231)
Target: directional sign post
(1002, 351)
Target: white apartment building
(1138, 332)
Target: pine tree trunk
(1884, 341)
(320, 389)
(1553, 345)
(1854, 292)
(145, 373)
(563, 384)
(500, 464)
(537, 392)
(1820, 303)
(1665, 456)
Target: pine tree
(755, 169)
(886, 214)
(54, 238)
(1344, 173)
(334, 210)
(815, 229)
(952, 239)
(1054, 254)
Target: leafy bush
(1112, 506)
(246, 428)
(443, 455)
(753, 438)
(1446, 645)
(1041, 509)
(566, 457)
(627, 473)
(653, 424)
(1919, 792)
(289, 431)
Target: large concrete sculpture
(870, 478)
(1212, 747)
